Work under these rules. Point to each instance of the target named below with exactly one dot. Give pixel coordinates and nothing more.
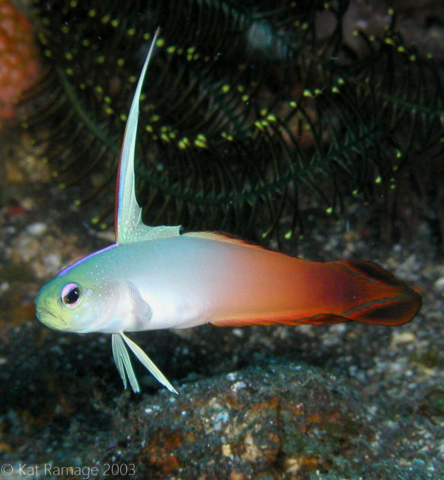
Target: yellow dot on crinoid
(43, 39)
(201, 141)
(183, 143)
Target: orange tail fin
(385, 300)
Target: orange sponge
(19, 65)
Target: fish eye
(70, 294)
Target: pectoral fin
(142, 311)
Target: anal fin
(288, 319)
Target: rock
(63, 407)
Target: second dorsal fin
(224, 237)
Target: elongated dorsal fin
(128, 217)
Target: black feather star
(246, 106)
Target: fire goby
(154, 278)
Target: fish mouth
(53, 321)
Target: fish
(160, 278)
